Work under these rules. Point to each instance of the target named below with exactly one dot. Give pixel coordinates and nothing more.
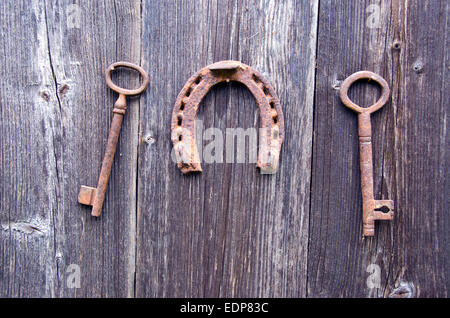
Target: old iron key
(372, 209)
(96, 196)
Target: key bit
(384, 210)
(86, 195)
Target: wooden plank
(228, 231)
(409, 146)
(422, 237)
(56, 111)
(28, 160)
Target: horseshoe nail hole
(266, 90)
(272, 105)
(188, 92)
(383, 209)
(198, 79)
(275, 119)
(180, 120)
(255, 78)
(180, 137)
(182, 106)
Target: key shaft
(96, 196)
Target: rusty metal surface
(372, 209)
(186, 107)
(96, 196)
(124, 91)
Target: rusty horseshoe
(184, 113)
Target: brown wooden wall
(229, 231)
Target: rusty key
(96, 196)
(372, 209)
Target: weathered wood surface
(410, 151)
(228, 231)
(56, 112)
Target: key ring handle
(385, 91)
(124, 91)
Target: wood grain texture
(56, 111)
(28, 159)
(421, 246)
(228, 231)
(410, 149)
